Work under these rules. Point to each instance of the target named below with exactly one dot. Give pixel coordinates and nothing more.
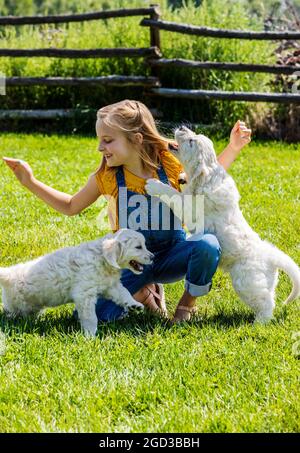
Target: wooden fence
(152, 55)
(228, 34)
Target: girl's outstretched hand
(21, 169)
(240, 136)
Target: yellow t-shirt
(108, 186)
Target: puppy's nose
(183, 128)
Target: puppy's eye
(139, 247)
(191, 141)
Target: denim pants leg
(196, 259)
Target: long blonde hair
(130, 117)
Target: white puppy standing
(78, 273)
(252, 263)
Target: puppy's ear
(112, 251)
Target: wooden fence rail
(65, 18)
(218, 33)
(226, 95)
(82, 53)
(53, 113)
(113, 80)
(241, 67)
(153, 57)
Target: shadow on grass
(62, 322)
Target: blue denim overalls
(175, 257)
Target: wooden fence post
(155, 35)
(154, 41)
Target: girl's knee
(208, 245)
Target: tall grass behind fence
(126, 32)
(223, 15)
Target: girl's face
(114, 145)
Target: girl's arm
(60, 201)
(240, 136)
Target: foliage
(122, 32)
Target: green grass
(218, 373)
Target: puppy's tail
(284, 262)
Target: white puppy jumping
(77, 274)
(252, 263)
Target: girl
(133, 151)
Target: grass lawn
(218, 373)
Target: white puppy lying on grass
(252, 263)
(76, 273)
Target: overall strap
(162, 174)
(122, 198)
(120, 177)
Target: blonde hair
(130, 117)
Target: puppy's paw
(155, 187)
(136, 307)
(89, 332)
